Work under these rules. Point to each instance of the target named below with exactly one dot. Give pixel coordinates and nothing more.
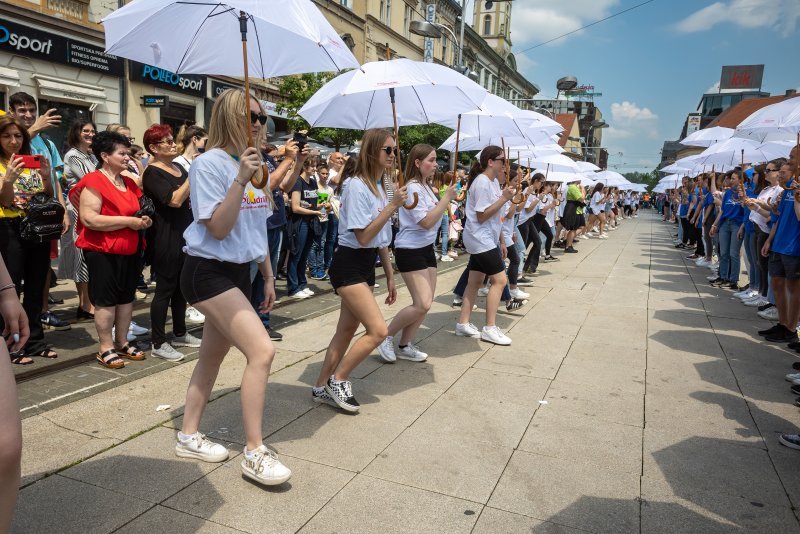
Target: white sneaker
(756, 302)
(467, 330)
(386, 350)
(138, 330)
(493, 334)
(585, 236)
(166, 352)
(744, 294)
(519, 294)
(198, 447)
(186, 340)
(482, 292)
(791, 377)
(264, 467)
(452, 253)
(130, 336)
(299, 295)
(412, 353)
(770, 314)
(602, 236)
(446, 258)
(712, 277)
(194, 316)
(308, 292)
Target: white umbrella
(361, 99)
(610, 178)
(776, 122)
(708, 136)
(736, 151)
(555, 162)
(204, 37)
(587, 166)
(684, 164)
(559, 176)
(469, 142)
(497, 117)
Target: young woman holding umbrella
(414, 252)
(364, 231)
(228, 232)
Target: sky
(654, 63)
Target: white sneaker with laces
(446, 258)
(166, 352)
(264, 467)
(194, 316)
(308, 292)
(770, 314)
(198, 447)
(517, 293)
(467, 330)
(412, 353)
(756, 301)
(186, 340)
(482, 292)
(791, 377)
(130, 336)
(386, 350)
(744, 294)
(493, 334)
(300, 295)
(137, 330)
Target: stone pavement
(634, 398)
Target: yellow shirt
(28, 184)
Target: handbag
(44, 219)
(146, 207)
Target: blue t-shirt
(787, 235)
(278, 217)
(683, 209)
(46, 148)
(750, 189)
(730, 209)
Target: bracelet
(9, 286)
(240, 183)
(268, 277)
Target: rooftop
(731, 117)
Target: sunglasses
(390, 150)
(262, 119)
(498, 159)
(166, 142)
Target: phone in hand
(31, 162)
(301, 140)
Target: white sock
(186, 437)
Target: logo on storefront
(161, 75)
(23, 42)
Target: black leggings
(541, 225)
(688, 234)
(530, 236)
(167, 295)
(513, 266)
(698, 237)
(763, 262)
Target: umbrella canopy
(203, 37)
(776, 122)
(587, 166)
(682, 165)
(469, 142)
(610, 178)
(559, 176)
(497, 117)
(361, 99)
(736, 150)
(556, 162)
(708, 136)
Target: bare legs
(474, 282)
(231, 320)
(422, 286)
(106, 317)
(10, 441)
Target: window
(407, 19)
(487, 25)
(444, 48)
(388, 20)
(347, 3)
(69, 114)
(381, 10)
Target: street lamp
(567, 83)
(434, 30)
(593, 126)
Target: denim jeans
(729, 247)
(445, 233)
(680, 229)
(275, 238)
(331, 238)
(520, 244)
(316, 257)
(296, 271)
(461, 285)
(753, 269)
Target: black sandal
(130, 353)
(18, 358)
(48, 353)
(110, 359)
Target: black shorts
(589, 210)
(488, 263)
(112, 277)
(202, 279)
(414, 259)
(351, 266)
(783, 266)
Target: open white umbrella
(610, 178)
(708, 136)
(587, 166)
(553, 162)
(776, 122)
(470, 142)
(736, 151)
(559, 176)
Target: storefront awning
(9, 77)
(68, 90)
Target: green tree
(429, 134)
(297, 90)
(650, 179)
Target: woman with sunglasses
(229, 231)
(364, 231)
(414, 253)
(484, 241)
(167, 184)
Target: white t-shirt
(183, 162)
(524, 214)
(771, 194)
(508, 223)
(481, 237)
(210, 177)
(596, 203)
(411, 233)
(550, 216)
(324, 189)
(359, 207)
(626, 200)
(562, 207)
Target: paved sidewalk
(634, 398)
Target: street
(634, 398)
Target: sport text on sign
(155, 101)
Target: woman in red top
(108, 233)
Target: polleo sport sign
(182, 83)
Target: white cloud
(628, 112)
(629, 120)
(536, 21)
(781, 15)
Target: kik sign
(741, 77)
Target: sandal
(47, 353)
(110, 359)
(19, 358)
(130, 353)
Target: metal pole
(461, 43)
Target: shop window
(176, 115)
(3, 105)
(69, 114)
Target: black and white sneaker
(320, 396)
(523, 281)
(341, 391)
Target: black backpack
(44, 219)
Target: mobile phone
(301, 140)
(31, 162)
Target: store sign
(692, 123)
(430, 16)
(272, 109)
(155, 101)
(182, 83)
(24, 41)
(217, 88)
(741, 77)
